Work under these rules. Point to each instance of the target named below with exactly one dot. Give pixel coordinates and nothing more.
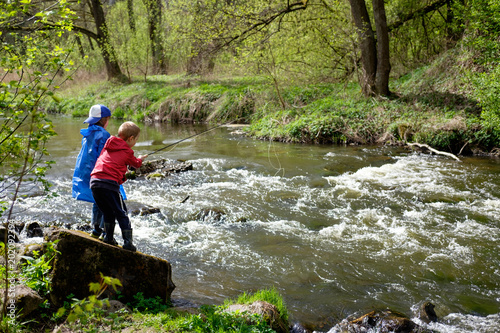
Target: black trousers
(112, 207)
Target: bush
(35, 272)
(487, 88)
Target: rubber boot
(97, 222)
(127, 240)
(98, 232)
(109, 229)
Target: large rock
(383, 321)
(10, 234)
(25, 300)
(82, 259)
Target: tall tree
(131, 14)
(367, 45)
(100, 36)
(375, 56)
(373, 40)
(103, 40)
(155, 14)
(383, 55)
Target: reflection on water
(338, 230)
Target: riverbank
(434, 105)
(43, 303)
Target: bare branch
(421, 145)
(299, 5)
(403, 18)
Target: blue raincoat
(94, 138)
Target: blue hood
(94, 138)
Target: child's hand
(143, 157)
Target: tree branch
(421, 145)
(403, 18)
(50, 26)
(291, 7)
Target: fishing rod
(192, 136)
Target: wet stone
(160, 168)
(84, 227)
(215, 214)
(139, 209)
(383, 321)
(4, 233)
(34, 229)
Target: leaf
(60, 312)
(94, 287)
(89, 307)
(72, 318)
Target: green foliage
(483, 29)
(89, 314)
(9, 325)
(30, 62)
(148, 305)
(33, 66)
(214, 319)
(35, 272)
(326, 120)
(487, 88)
(132, 47)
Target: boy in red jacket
(108, 175)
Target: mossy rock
(82, 259)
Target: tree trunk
(383, 53)
(154, 8)
(131, 16)
(202, 59)
(112, 68)
(367, 45)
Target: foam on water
(410, 229)
(452, 323)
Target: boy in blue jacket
(94, 138)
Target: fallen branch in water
(421, 145)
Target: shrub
(35, 272)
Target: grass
(91, 317)
(433, 105)
(149, 314)
(269, 295)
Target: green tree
(481, 37)
(155, 14)
(132, 46)
(221, 24)
(33, 66)
(103, 40)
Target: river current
(338, 230)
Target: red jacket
(114, 159)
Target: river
(338, 230)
